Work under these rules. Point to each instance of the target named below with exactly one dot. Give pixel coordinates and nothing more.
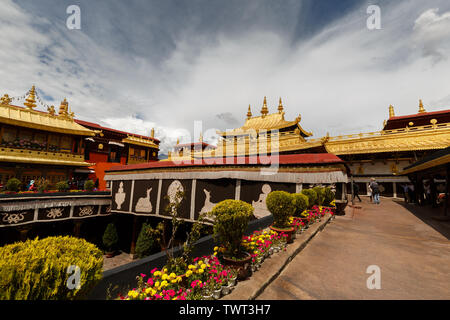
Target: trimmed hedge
(301, 203)
(38, 269)
(329, 196)
(312, 197)
(13, 184)
(281, 205)
(320, 191)
(232, 218)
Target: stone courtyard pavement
(414, 258)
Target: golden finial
(178, 140)
(201, 137)
(264, 110)
(391, 111)
(51, 110)
(6, 99)
(249, 112)
(280, 106)
(30, 101)
(152, 133)
(421, 108)
(64, 108)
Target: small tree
(232, 218)
(110, 237)
(89, 185)
(13, 184)
(281, 205)
(62, 186)
(312, 196)
(320, 191)
(146, 241)
(301, 203)
(42, 184)
(329, 196)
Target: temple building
(35, 144)
(185, 151)
(381, 155)
(110, 147)
(57, 146)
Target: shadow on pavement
(426, 214)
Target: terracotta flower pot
(242, 264)
(288, 231)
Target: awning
(438, 158)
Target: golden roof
(266, 122)
(429, 137)
(29, 118)
(140, 142)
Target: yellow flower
(172, 275)
(165, 269)
(191, 267)
(216, 248)
(178, 279)
(200, 271)
(164, 284)
(173, 281)
(157, 273)
(148, 290)
(165, 276)
(188, 273)
(157, 284)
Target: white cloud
(341, 80)
(432, 33)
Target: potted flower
(281, 205)
(232, 217)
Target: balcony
(41, 156)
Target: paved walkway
(414, 259)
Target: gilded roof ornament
(6, 99)
(64, 108)
(249, 112)
(51, 110)
(30, 101)
(264, 110)
(391, 111)
(280, 106)
(152, 133)
(421, 108)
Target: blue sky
(135, 65)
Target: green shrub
(89, 185)
(300, 202)
(281, 205)
(62, 186)
(110, 237)
(42, 184)
(38, 269)
(329, 196)
(312, 196)
(320, 191)
(232, 217)
(145, 241)
(13, 184)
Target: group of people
(373, 191)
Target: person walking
(356, 192)
(369, 193)
(375, 191)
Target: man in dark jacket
(356, 191)
(375, 191)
